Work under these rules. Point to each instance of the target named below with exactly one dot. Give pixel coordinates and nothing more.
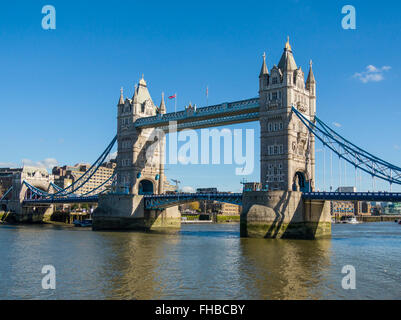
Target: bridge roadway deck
(62, 200)
(164, 200)
(156, 201)
(354, 196)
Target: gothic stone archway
(145, 187)
(300, 182)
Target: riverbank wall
(378, 218)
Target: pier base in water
(127, 212)
(284, 214)
(21, 214)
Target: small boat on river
(83, 223)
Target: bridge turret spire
(287, 61)
(162, 108)
(287, 45)
(264, 74)
(135, 96)
(311, 87)
(264, 71)
(121, 100)
(135, 100)
(311, 76)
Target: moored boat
(83, 223)
(352, 221)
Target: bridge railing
(163, 200)
(354, 196)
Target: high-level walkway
(196, 118)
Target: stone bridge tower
(140, 170)
(287, 148)
(140, 161)
(39, 178)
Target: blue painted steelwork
(69, 199)
(354, 155)
(5, 195)
(112, 177)
(79, 183)
(354, 196)
(244, 110)
(39, 196)
(35, 190)
(55, 186)
(168, 200)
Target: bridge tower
(287, 158)
(287, 148)
(140, 167)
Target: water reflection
(285, 269)
(197, 262)
(190, 264)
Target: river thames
(198, 262)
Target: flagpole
(175, 103)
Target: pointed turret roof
(135, 96)
(311, 76)
(141, 94)
(264, 70)
(287, 61)
(121, 100)
(142, 82)
(162, 107)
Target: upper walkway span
(211, 116)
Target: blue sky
(59, 88)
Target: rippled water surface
(198, 262)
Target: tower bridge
(285, 204)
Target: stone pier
(18, 213)
(284, 214)
(127, 212)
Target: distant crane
(176, 183)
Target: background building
(391, 208)
(168, 187)
(206, 190)
(346, 189)
(6, 179)
(350, 208)
(66, 175)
